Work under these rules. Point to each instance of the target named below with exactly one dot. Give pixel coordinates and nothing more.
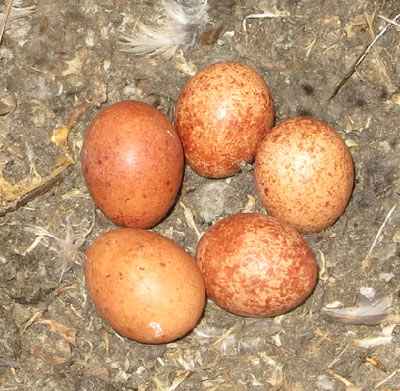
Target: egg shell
(132, 161)
(255, 266)
(221, 115)
(145, 285)
(304, 174)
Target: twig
(342, 379)
(14, 195)
(6, 16)
(386, 379)
(365, 262)
(338, 357)
(323, 274)
(363, 55)
(392, 21)
(190, 219)
(32, 320)
(264, 15)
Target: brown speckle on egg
(253, 265)
(145, 285)
(222, 114)
(304, 173)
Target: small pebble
(324, 383)
(387, 277)
(396, 98)
(396, 236)
(368, 292)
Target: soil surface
(61, 64)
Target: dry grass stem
(323, 273)
(264, 15)
(32, 320)
(5, 19)
(14, 195)
(338, 357)
(365, 262)
(69, 334)
(362, 56)
(386, 379)
(190, 219)
(341, 378)
(392, 21)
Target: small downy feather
(370, 310)
(384, 338)
(67, 247)
(182, 25)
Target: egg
(145, 285)
(221, 115)
(304, 174)
(132, 161)
(255, 266)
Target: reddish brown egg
(145, 285)
(304, 174)
(253, 265)
(222, 114)
(132, 161)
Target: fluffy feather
(182, 25)
(369, 311)
(67, 247)
(384, 338)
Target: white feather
(384, 338)
(367, 312)
(181, 27)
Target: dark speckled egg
(222, 114)
(255, 266)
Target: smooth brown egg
(145, 285)
(255, 266)
(132, 161)
(221, 115)
(304, 174)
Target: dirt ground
(61, 64)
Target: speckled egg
(255, 266)
(222, 114)
(304, 174)
(145, 285)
